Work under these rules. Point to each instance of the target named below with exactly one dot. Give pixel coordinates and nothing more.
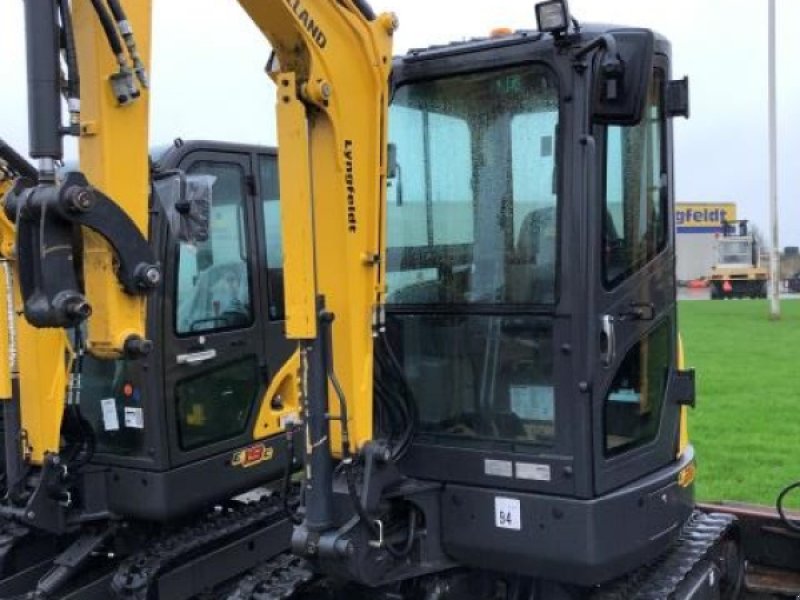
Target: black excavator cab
(532, 306)
(167, 424)
(156, 447)
(528, 394)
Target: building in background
(697, 227)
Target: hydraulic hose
(117, 11)
(70, 52)
(16, 162)
(73, 90)
(130, 41)
(107, 22)
(790, 523)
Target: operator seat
(220, 294)
(531, 275)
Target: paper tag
(110, 418)
(498, 468)
(507, 514)
(134, 417)
(533, 472)
(532, 402)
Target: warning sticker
(110, 417)
(134, 417)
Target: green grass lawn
(746, 427)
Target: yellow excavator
(148, 380)
(476, 356)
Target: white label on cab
(507, 514)
(108, 406)
(134, 418)
(498, 468)
(533, 472)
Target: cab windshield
(734, 252)
(472, 206)
(471, 271)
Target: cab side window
(635, 227)
(273, 238)
(213, 287)
(635, 401)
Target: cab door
(214, 366)
(634, 422)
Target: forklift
(737, 272)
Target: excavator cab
(531, 300)
(528, 393)
(142, 436)
(166, 423)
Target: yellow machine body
(42, 363)
(339, 129)
(114, 157)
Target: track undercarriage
(239, 552)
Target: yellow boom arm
(332, 68)
(114, 156)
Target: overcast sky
(208, 80)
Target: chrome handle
(610, 351)
(196, 358)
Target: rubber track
(660, 580)
(136, 576)
(277, 579)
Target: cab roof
(522, 36)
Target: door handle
(196, 358)
(609, 352)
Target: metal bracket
(683, 389)
(381, 539)
(49, 250)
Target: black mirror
(623, 77)
(186, 200)
(677, 98)
(683, 388)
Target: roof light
(499, 32)
(553, 16)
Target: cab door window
(633, 406)
(213, 287)
(273, 236)
(635, 227)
